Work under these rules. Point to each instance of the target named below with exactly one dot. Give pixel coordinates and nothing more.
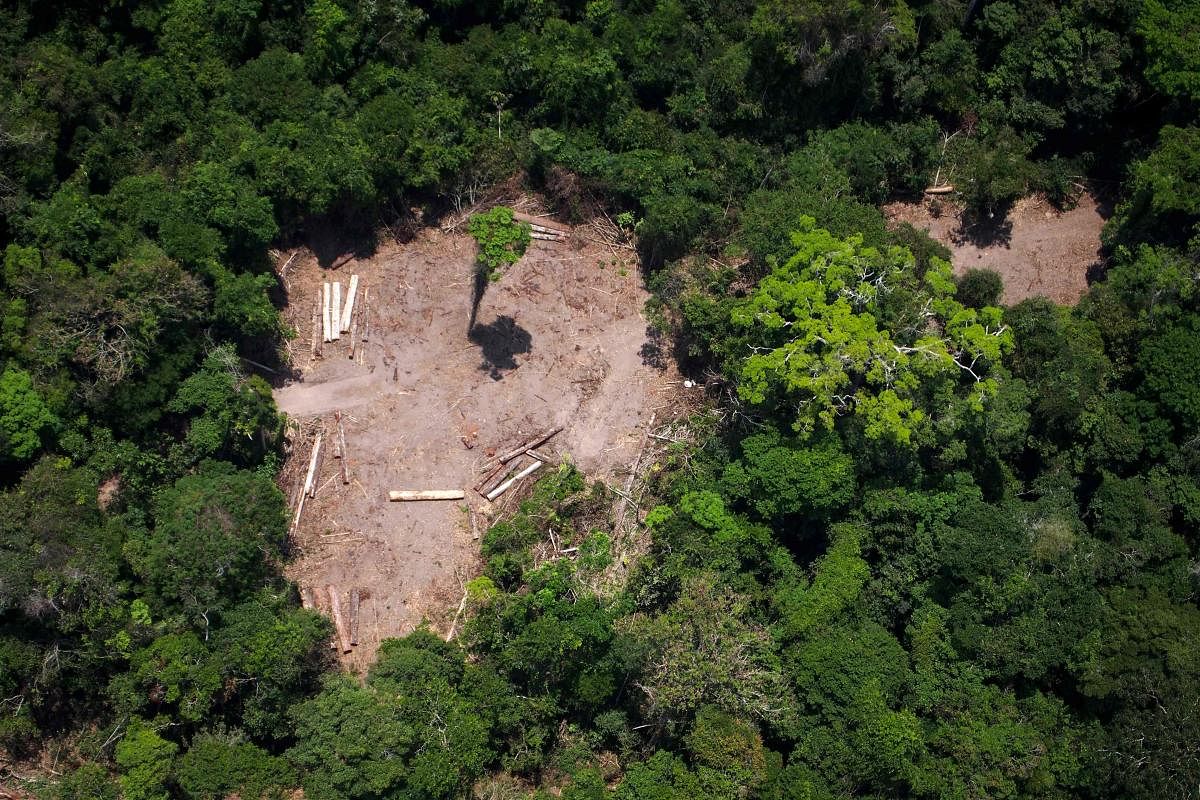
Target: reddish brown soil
(1038, 250)
(558, 341)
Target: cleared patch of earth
(1037, 249)
(559, 340)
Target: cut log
(341, 437)
(354, 598)
(366, 315)
(354, 337)
(310, 483)
(412, 495)
(348, 311)
(335, 332)
(308, 598)
(546, 237)
(542, 221)
(339, 622)
(316, 326)
(947, 189)
(492, 476)
(531, 444)
(325, 326)
(504, 487)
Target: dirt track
(1038, 250)
(558, 341)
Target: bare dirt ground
(1038, 250)
(558, 341)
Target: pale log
(311, 482)
(325, 326)
(411, 495)
(316, 326)
(354, 616)
(335, 318)
(504, 487)
(542, 221)
(366, 314)
(339, 622)
(341, 435)
(348, 311)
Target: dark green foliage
(927, 548)
(979, 287)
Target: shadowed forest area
(918, 544)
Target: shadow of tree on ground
(499, 342)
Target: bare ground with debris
(1037, 249)
(559, 340)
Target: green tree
(145, 760)
(24, 418)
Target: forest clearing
(559, 341)
(1037, 249)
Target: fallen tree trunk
(412, 495)
(354, 616)
(348, 311)
(316, 326)
(947, 189)
(313, 466)
(341, 438)
(335, 311)
(546, 237)
(325, 326)
(545, 222)
(491, 475)
(504, 487)
(366, 315)
(531, 444)
(339, 622)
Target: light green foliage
(145, 761)
(502, 240)
(816, 337)
(24, 417)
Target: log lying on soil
(536, 441)
(310, 484)
(546, 237)
(411, 495)
(366, 314)
(504, 487)
(341, 438)
(326, 333)
(339, 622)
(491, 478)
(316, 326)
(335, 311)
(307, 487)
(947, 189)
(354, 616)
(348, 311)
(544, 222)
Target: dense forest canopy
(931, 546)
